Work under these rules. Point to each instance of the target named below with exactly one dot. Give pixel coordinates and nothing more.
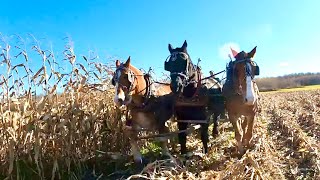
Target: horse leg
(182, 137)
(204, 137)
(215, 131)
(248, 134)
(133, 138)
(244, 125)
(223, 113)
(236, 126)
(164, 141)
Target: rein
(148, 91)
(213, 75)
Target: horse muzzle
(120, 102)
(249, 100)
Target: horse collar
(149, 92)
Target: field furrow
(300, 151)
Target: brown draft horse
(149, 104)
(242, 95)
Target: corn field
(58, 121)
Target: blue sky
(286, 32)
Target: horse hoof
(205, 150)
(165, 156)
(241, 153)
(188, 155)
(215, 133)
(140, 163)
(247, 143)
(183, 153)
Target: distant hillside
(288, 81)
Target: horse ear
(252, 52)
(127, 64)
(170, 47)
(185, 44)
(117, 63)
(234, 52)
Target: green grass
(302, 88)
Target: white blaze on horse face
(119, 94)
(250, 95)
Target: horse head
(182, 71)
(241, 73)
(125, 81)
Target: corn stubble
(50, 134)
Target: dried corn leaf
(38, 72)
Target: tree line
(288, 81)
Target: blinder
(113, 82)
(176, 65)
(115, 79)
(257, 69)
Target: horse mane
(136, 70)
(229, 71)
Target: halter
(247, 71)
(183, 73)
(131, 78)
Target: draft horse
(149, 104)
(242, 96)
(186, 84)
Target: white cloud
(224, 50)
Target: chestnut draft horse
(187, 85)
(149, 104)
(242, 96)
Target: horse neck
(140, 85)
(191, 88)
